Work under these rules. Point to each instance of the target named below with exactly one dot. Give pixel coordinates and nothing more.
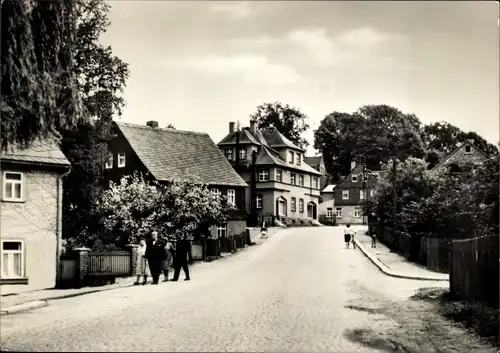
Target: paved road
(289, 294)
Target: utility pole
(364, 190)
(253, 190)
(394, 195)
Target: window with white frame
(279, 175)
(121, 160)
(298, 159)
(293, 204)
(357, 213)
(258, 202)
(301, 180)
(315, 183)
(354, 178)
(301, 205)
(229, 154)
(12, 259)
(13, 186)
(263, 175)
(362, 195)
(329, 212)
(338, 212)
(345, 194)
(243, 153)
(292, 179)
(231, 197)
(109, 162)
(215, 192)
(222, 231)
(291, 156)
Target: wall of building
(348, 215)
(461, 156)
(234, 227)
(35, 223)
(324, 205)
(328, 196)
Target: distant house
(318, 163)
(30, 216)
(351, 192)
(465, 153)
(327, 205)
(286, 186)
(163, 154)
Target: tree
(290, 121)
(39, 94)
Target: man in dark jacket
(182, 251)
(155, 254)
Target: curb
(24, 307)
(384, 269)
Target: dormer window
(229, 154)
(243, 153)
(468, 149)
(263, 175)
(291, 157)
(121, 160)
(354, 178)
(109, 162)
(298, 159)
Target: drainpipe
(59, 225)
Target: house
(163, 154)
(351, 192)
(318, 163)
(326, 207)
(30, 216)
(285, 185)
(465, 153)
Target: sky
(199, 65)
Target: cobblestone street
(301, 290)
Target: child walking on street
(142, 268)
(347, 235)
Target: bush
(328, 221)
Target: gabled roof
(44, 152)
(313, 160)
(245, 137)
(276, 139)
(267, 156)
(168, 153)
(455, 151)
(329, 188)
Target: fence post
(134, 254)
(82, 265)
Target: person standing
(155, 254)
(167, 262)
(182, 250)
(347, 235)
(142, 268)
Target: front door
(281, 208)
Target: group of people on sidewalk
(156, 256)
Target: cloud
(235, 9)
(252, 68)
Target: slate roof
(168, 153)
(276, 139)
(268, 156)
(316, 160)
(44, 152)
(245, 137)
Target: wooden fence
(113, 263)
(474, 269)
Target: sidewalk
(11, 304)
(393, 264)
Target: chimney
(152, 123)
(231, 127)
(353, 165)
(253, 127)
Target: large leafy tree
(290, 121)
(39, 94)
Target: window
(263, 175)
(345, 194)
(329, 212)
(215, 192)
(338, 212)
(468, 149)
(12, 259)
(258, 202)
(222, 231)
(301, 180)
(13, 186)
(315, 183)
(298, 159)
(243, 153)
(109, 162)
(301, 205)
(229, 154)
(231, 197)
(372, 192)
(354, 178)
(121, 160)
(357, 212)
(291, 155)
(279, 175)
(292, 179)
(362, 195)
(293, 204)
